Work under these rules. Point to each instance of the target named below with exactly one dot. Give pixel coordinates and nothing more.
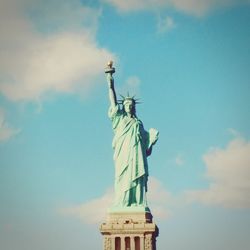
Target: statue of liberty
(132, 145)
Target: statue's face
(128, 106)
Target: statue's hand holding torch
(110, 70)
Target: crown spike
(135, 100)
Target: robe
(130, 143)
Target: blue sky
(187, 61)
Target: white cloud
(6, 132)
(8, 227)
(131, 87)
(233, 132)
(159, 199)
(133, 5)
(62, 56)
(194, 7)
(179, 160)
(229, 173)
(165, 24)
(133, 81)
(95, 211)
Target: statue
(132, 145)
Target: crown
(128, 98)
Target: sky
(186, 60)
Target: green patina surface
(132, 145)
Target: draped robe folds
(130, 143)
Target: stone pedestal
(129, 230)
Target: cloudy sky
(187, 60)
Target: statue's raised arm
(112, 95)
